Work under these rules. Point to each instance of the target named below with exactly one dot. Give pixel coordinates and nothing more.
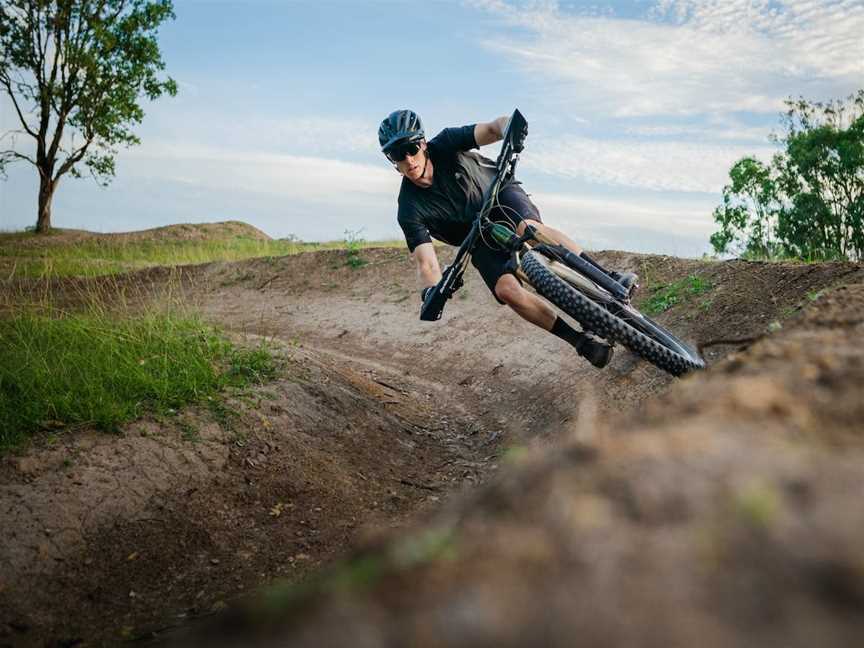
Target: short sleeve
(452, 140)
(416, 233)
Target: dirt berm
(467, 482)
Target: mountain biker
(442, 187)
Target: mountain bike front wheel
(626, 325)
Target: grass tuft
(666, 296)
(353, 245)
(97, 368)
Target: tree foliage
(809, 201)
(75, 72)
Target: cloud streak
(309, 179)
(654, 165)
(297, 134)
(612, 223)
(686, 57)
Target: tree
(749, 213)
(809, 203)
(822, 174)
(75, 71)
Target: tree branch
(61, 39)
(73, 159)
(15, 155)
(8, 84)
(36, 43)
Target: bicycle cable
(506, 222)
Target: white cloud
(662, 215)
(739, 133)
(688, 56)
(296, 134)
(822, 36)
(330, 135)
(636, 224)
(304, 178)
(654, 165)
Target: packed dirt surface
(486, 486)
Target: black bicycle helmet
(399, 127)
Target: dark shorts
(515, 208)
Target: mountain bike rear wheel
(628, 326)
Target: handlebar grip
(433, 305)
(519, 139)
(517, 131)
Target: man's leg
(533, 309)
(627, 279)
(515, 205)
(551, 233)
(528, 305)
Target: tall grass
(103, 350)
(96, 256)
(108, 362)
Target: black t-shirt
(443, 210)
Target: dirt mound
(724, 513)
(380, 415)
(179, 232)
(173, 517)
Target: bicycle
(595, 300)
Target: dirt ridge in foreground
(726, 513)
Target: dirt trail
(727, 514)
(380, 418)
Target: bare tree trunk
(46, 195)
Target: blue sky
(636, 110)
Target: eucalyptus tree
(75, 73)
(809, 201)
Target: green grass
(113, 360)
(814, 295)
(353, 245)
(95, 257)
(103, 369)
(664, 297)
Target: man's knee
(509, 290)
(520, 228)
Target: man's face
(412, 166)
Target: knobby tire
(594, 317)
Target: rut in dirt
(379, 421)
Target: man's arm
(428, 270)
(490, 132)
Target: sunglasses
(400, 152)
